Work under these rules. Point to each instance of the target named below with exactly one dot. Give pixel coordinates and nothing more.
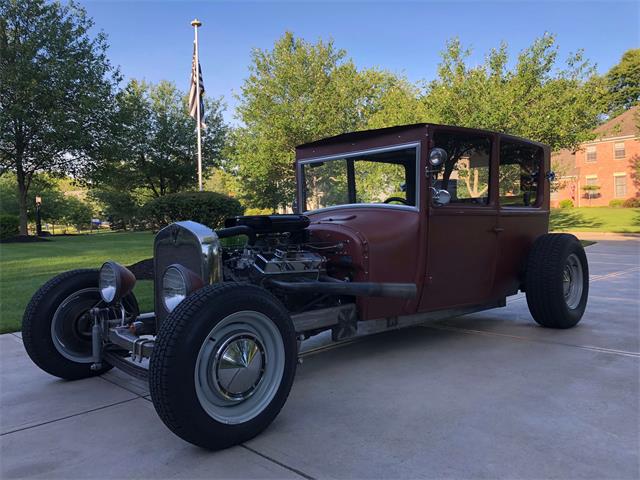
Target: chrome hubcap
(572, 281)
(240, 366)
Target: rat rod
(396, 227)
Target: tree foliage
(154, 141)
(296, 93)
(536, 98)
(56, 88)
(57, 208)
(623, 83)
(121, 208)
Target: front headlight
(177, 283)
(115, 282)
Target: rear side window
(466, 172)
(519, 173)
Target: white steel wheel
(223, 364)
(239, 367)
(572, 281)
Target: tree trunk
(22, 200)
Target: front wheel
(223, 365)
(557, 280)
(56, 326)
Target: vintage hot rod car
(396, 227)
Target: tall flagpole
(196, 23)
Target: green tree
(623, 83)
(295, 93)
(47, 188)
(55, 91)
(154, 141)
(536, 98)
(120, 208)
(77, 213)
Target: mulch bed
(24, 239)
(143, 270)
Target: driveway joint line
(591, 348)
(68, 416)
(277, 462)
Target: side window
(466, 172)
(520, 165)
(325, 184)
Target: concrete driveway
(483, 396)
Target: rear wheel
(56, 326)
(557, 281)
(223, 364)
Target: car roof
(365, 134)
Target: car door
(462, 235)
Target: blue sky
(153, 39)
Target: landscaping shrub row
(9, 226)
(633, 202)
(208, 208)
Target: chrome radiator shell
(191, 244)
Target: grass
(596, 219)
(24, 267)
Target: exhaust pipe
(356, 289)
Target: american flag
(196, 71)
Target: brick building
(605, 162)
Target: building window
(591, 188)
(620, 185)
(618, 150)
(591, 153)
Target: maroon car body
(458, 255)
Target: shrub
(208, 208)
(258, 211)
(9, 226)
(566, 203)
(633, 202)
(616, 203)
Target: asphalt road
(489, 395)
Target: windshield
(380, 177)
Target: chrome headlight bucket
(190, 245)
(115, 282)
(178, 283)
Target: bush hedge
(633, 202)
(208, 208)
(616, 203)
(9, 226)
(566, 203)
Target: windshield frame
(344, 155)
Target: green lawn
(24, 267)
(596, 219)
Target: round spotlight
(115, 282)
(437, 157)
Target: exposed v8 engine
(260, 262)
